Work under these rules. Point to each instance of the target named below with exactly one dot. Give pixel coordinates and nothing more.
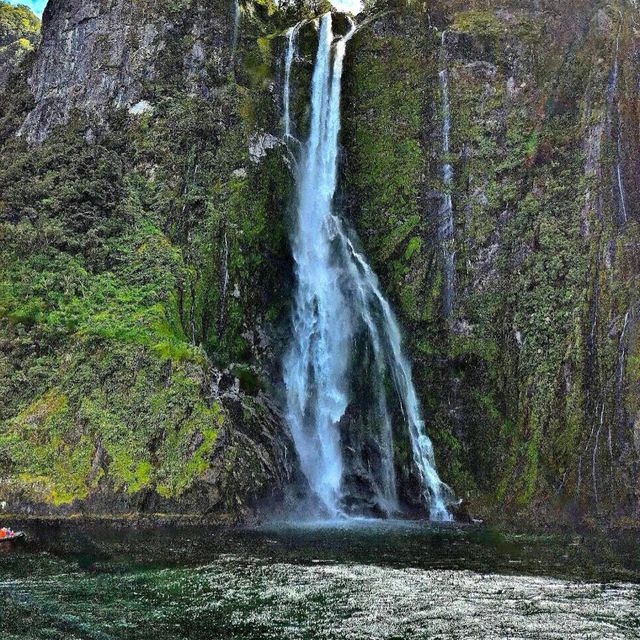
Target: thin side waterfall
(435, 493)
(224, 285)
(446, 209)
(236, 28)
(340, 314)
(621, 365)
(290, 53)
(612, 97)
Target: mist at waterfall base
(349, 387)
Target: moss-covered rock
(145, 272)
(519, 384)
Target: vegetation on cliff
(145, 271)
(135, 282)
(528, 386)
(19, 31)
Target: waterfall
(446, 209)
(612, 95)
(290, 53)
(621, 365)
(236, 28)
(316, 367)
(338, 304)
(224, 285)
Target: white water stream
(612, 98)
(446, 211)
(337, 301)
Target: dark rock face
(253, 463)
(94, 55)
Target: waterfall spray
(337, 302)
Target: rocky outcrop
(204, 445)
(254, 461)
(96, 56)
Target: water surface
(388, 580)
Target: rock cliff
(139, 230)
(146, 273)
(98, 56)
(530, 380)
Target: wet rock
(253, 461)
(260, 144)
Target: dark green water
(393, 580)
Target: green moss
(415, 244)
(258, 62)
(250, 380)
(478, 22)
(386, 163)
(39, 443)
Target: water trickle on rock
(446, 209)
(236, 28)
(612, 103)
(344, 331)
(290, 53)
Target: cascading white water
(446, 211)
(435, 492)
(612, 96)
(290, 52)
(338, 302)
(236, 28)
(316, 367)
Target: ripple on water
(236, 597)
(341, 581)
(363, 601)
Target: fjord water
(338, 303)
(384, 580)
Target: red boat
(8, 535)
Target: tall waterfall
(446, 211)
(341, 318)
